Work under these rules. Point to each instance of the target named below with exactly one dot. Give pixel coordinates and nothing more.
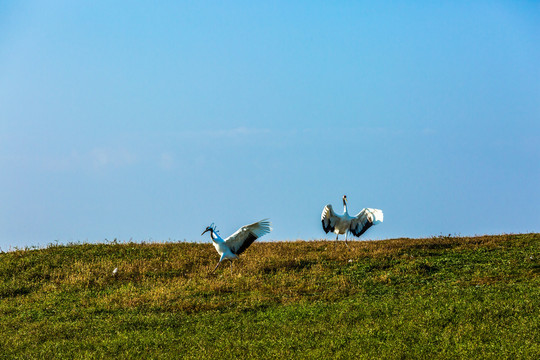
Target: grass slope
(443, 297)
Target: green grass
(442, 297)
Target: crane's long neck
(215, 237)
(345, 207)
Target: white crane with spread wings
(343, 224)
(238, 242)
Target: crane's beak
(205, 231)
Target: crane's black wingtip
(360, 231)
(249, 240)
(328, 228)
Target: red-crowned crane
(343, 224)
(238, 242)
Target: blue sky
(150, 121)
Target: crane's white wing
(364, 220)
(246, 235)
(329, 219)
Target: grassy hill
(442, 297)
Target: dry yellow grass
(440, 294)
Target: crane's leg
(219, 262)
(346, 238)
(231, 265)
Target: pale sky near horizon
(149, 121)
